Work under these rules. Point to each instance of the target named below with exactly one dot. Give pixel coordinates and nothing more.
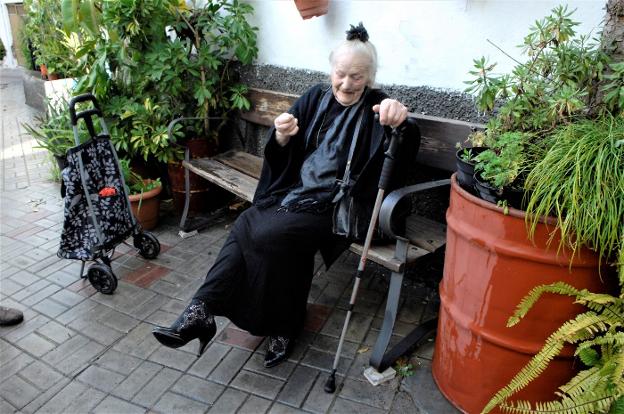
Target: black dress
(262, 276)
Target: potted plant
(146, 77)
(53, 131)
(200, 63)
(556, 134)
(143, 195)
(54, 51)
(465, 160)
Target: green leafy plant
(558, 84)
(403, 367)
(53, 131)
(211, 37)
(2, 50)
(157, 60)
(558, 129)
(52, 47)
(135, 183)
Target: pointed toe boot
(278, 350)
(194, 323)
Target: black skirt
(262, 276)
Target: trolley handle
(87, 114)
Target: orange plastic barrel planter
(490, 265)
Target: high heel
(194, 322)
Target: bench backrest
(439, 135)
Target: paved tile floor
(79, 351)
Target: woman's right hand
(286, 125)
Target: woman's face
(349, 77)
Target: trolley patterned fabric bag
(90, 230)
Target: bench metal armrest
(387, 221)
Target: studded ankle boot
(278, 350)
(194, 322)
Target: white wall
(419, 42)
(7, 37)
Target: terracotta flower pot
(146, 207)
(490, 265)
(44, 71)
(311, 8)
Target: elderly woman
(262, 276)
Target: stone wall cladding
(420, 99)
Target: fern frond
(582, 381)
(589, 403)
(579, 328)
(618, 372)
(618, 406)
(613, 339)
(534, 294)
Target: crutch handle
(390, 155)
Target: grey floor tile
(229, 366)
(209, 359)
(174, 403)
(85, 401)
(318, 401)
(279, 408)
(50, 308)
(112, 405)
(136, 380)
(363, 392)
(6, 407)
(298, 386)
(228, 402)
(56, 332)
(198, 389)
(423, 390)
(173, 358)
(118, 362)
(351, 407)
(257, 384)
(156, 387)
(254, 405)
(41, 375)
(100, 378)
(17, 391)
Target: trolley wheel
(102, 278)
(148, 245)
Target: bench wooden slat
(238, 172)
(439, 137)
(267, 105)
(384, 255)
(424, 233)
(242, 161)
(234, 181)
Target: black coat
(282, 165)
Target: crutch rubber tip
(330, 384)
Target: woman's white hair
(356, 46)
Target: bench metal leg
(380, 359)
(187, 191)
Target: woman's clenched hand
(391, 112)
(286, 125)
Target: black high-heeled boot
(278, 350)
(194, 322)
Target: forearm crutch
(386, 172)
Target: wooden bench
(238, 172)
